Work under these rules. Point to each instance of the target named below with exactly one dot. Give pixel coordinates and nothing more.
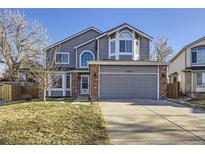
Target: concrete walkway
(153, 122)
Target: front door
(84, 88)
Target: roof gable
(73, 36)
(125, 25)
(187, 46)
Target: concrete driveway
(153, 122)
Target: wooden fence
(173, 90)
(18, 91)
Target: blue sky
(180, 26)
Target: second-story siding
(89, 46)
(103, 48)
(144, 49)
(69, 45)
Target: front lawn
(52, 123)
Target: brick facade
(188, 83)
(94, 77)
(162, 81)
(74, 84)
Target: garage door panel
(128, 86)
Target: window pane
(193, 57)
(112, 46)
(128, 46)
(122, 45)
(198, 55)
(125, 35)
(61, 58)
(68, 81)
(56, 81)
(199, 78)
(58, 58)
(85, 58)
(201, 56)
(64, 58)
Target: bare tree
(21, 40)
(162, 50)
(45, 74)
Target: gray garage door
(113, 86)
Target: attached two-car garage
(128, 82)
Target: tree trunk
(44, 96)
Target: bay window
(112, 46)
(125, 42)
(126, 46)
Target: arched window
(85, 57)
(125, 38)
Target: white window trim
(112, 40)
(64, 84)
(117, 45)
(196, 56)
(50, 78)
(203, 80)
(62, 62)
(82, 54)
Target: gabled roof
(72, 36)
(187, 46)
(123, 26)
(84, 43)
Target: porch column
(64, 84)
(74, 84)
(162, 81)
(94, 79)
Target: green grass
(199, 103)
(52, 123)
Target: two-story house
(188, 67)
(107, 65)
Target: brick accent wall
(94, 77)
(188, 83)
(74, 84)
(162, 81)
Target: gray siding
(129, 69)
(125, 57)
(56, 93)
(69, 45)
(89, 46)
(103, 48)
(112, 57)
(128, 86)
(144, 49)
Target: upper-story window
(198, 55)
(112, 46)
(125, 39)
(85, 57)
(62, 58)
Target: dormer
(127, 43)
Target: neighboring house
(188, 67)
(105, 65)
